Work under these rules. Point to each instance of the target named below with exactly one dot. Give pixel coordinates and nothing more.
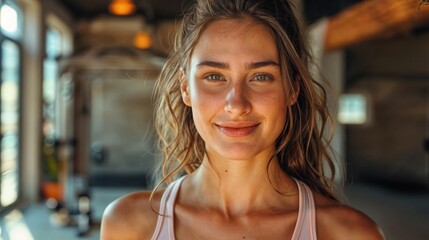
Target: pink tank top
(305, 228)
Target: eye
(214, 77)
(262, 77)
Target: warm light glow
(122, 7)
(142, 40)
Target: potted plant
(51, 187)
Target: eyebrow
(263, 64)
(213, 64)
(252, 65)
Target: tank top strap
(305, 228)
(165, 223)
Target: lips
(237, 129)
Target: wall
(394, 74)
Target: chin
(239, 152)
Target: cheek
(280, 118)
(204, 98)
(202, 114)
(202, 105)
(275, 106)
(274, 101)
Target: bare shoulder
(339, 221)
(131, 217)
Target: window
(10, 101)
(353, 109)
(58, 44)
(11, 20)
(50, 75)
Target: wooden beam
(372, 19)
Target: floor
(401, 214)
(37, 222)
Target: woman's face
(235, 90)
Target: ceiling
(153, 10)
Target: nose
(237, 101)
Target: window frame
(16, 39)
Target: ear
(295, 92)
(184, 89)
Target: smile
(237, 130)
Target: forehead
(228, 37)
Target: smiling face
(235, 89)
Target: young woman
(239, 111)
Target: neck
(238, 187)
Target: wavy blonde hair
(302, 150)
